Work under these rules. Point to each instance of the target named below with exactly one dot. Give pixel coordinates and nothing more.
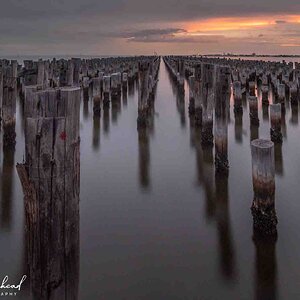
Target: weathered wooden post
(207, 95)
(253, 110)
(143, 94)
(294, 94)
(180, 74)
(275, 116)
(252, 88)
(237, 95)
(6, 188)
(76, 76)
(1, 92)
(192, 95)
(263, 175)
(265, 94)
(85, 88)
(221, 120)
(96, 89)
(41, 72)
(70, 73)
(281, 95)
(124, 82)
(9, 104)
(106, 90)
(197, 95)
(50, 180)
(115, 85)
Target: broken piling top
(263, 166)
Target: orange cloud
(239, 23)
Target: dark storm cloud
(171, 10)
(280, 22)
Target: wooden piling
(253, 110)
(237, 96)
(9, 105)
(143, 94)
(106, 90)
(221, 119)
(275, 116)
(198, 104)
(50, 181)
(192, 95)
(263, 175)
(207, 96)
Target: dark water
(154, 222)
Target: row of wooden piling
(50, 92)
(211, 82)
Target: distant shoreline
(251, 55)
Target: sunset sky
(112, 27)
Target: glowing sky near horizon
(141, 27)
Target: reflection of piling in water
(238, 127)
(124, 97)
(207, 96)
(226, 249)
(181, 107)
(96, 132)
(265, 112)
(263, 175)
(106, 120)
(97, 106)
(265, 267)
(50, 180)
(278, 158)
(7, 187)
(115, 108)
(295, 115)
(283, 123)
(275, 116)
(204, 170)
(144, 157)
(221, 119)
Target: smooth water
(154, 221)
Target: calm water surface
(154, 221)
